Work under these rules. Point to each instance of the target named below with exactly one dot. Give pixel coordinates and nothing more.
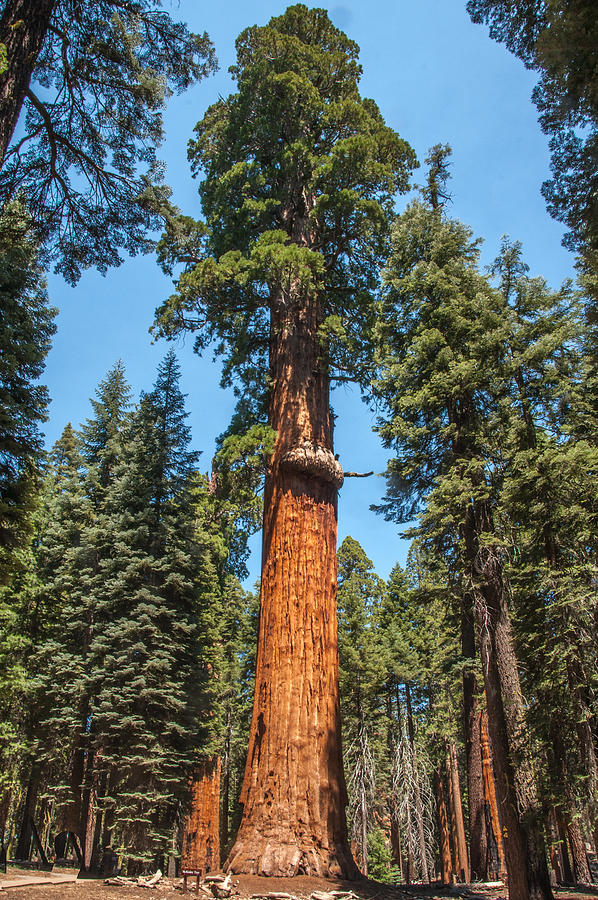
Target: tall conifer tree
(300, 173)
(441, 344)
(26, 329)
(144, 653)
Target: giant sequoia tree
(300, 172)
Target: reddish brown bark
(391, 738)
(201, 835)
(5, 799)
(226, 780)
(578, 851)
(478, 841)
(27, 823)
(578, 681)
(456, 806)
(23, 27)
(294, 793)
(562, 836)
(520, 812)
(490, 794)
(446, 863)
(91, 815)
(73, 817)
(395, 845)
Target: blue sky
(437, 78)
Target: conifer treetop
(300, 173)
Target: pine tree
(69, 565)
(548, 507)
(300, 173)
(26, 328)
(144, 652)
(64, 556)
(63, 515)
(441, 344)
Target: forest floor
(247, 886)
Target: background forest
(127, 618)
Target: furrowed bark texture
(201, 836)
(23, 27)
(490, 795)
(564, 852)
(443, 828)
(91, 816)
(458, 825)
(294, 793)
(519, 808)
(478, 841)
(5, 799)
(26, 829)
(578, 849)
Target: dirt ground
(245, 886)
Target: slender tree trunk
(569, 813)
(562, 835)
(478, 840)
(26, 829)
(201, 835)
(294, 794)
(410, 860)
(395, 845)
(520, 811)
(490, 794)
(91, 817)
(458, 825)
(364, 832)
(73, 818)
(23, 28)
(577, 679)
(392, 733)
(4, 809)
(446, 863)
(578, 849)
(556, 859)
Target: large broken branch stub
(312, 459)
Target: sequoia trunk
(27, 824)
(201, 836)
(478, 840)
(294, 793)
(564, 852)
(578, 848)
(23, 27)
(443, 828)
(458, 825)
(490, 799)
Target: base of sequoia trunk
(286, 860)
